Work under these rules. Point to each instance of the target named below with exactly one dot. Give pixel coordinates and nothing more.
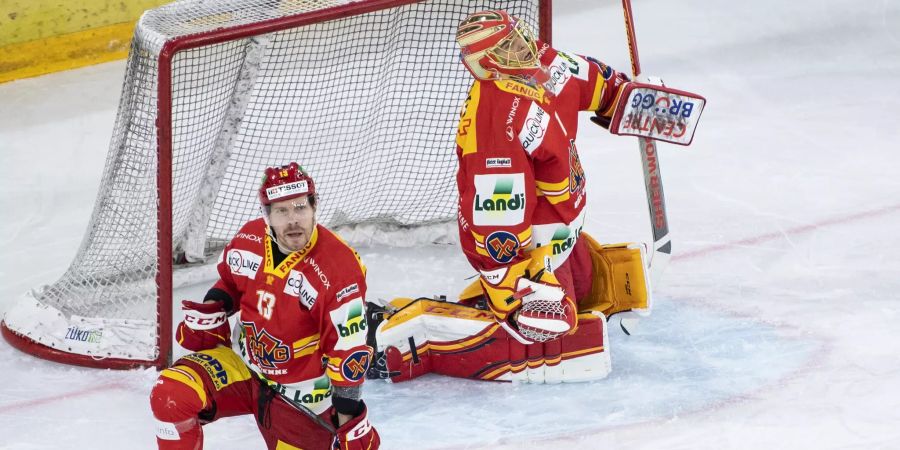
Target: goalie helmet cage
(364, 94)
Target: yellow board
(44, 36)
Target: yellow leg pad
(620, 278)
(186, 376)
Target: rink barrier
(38, 37)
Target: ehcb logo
(576, 171)
(354, 366)
(502, 246)
(499, 199)
(265, 350)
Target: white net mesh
(367, 104)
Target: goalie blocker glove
(204, 327)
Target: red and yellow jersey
(521, 183)
(302, 322)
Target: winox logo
(350, 323)
(499, 199)
(510, 135)
(244, 263)
(535, 128)
(265, 350)
(300, 287)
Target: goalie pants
(205, 386)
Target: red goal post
(364, 94)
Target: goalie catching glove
(204, 327)
(528, 301)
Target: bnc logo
(503, 198)
(356, 321)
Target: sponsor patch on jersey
(493, 163)
(534, 128)
(494, 276)
(286, 190)
(244, 263)
(354, 366)
(503, 246)
(249, 237)
(560, 72)
(212, 366)
(577, 65)
(499, 199)
(300, 287)
(166, 431)
(350, 323)
(347, 291)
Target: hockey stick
(656, 200)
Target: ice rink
(777, 324)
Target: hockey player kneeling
(299, 355)
(538, 311)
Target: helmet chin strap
(271, 232)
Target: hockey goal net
(365, 95)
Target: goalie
(538, 311)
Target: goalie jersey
(521, 183)
(302, 321)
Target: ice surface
(776, 323)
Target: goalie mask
(495, 45)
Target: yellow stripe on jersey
(186, 376)
(599, 86)
(306, 346)
(525, 237)
(554, 192)
(466, 133)
(333, 369)
(553, 188)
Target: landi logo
(499, 199)
(321, 390)
(563, 239)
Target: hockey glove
(205, 326)
(356, 434)
(546, 312)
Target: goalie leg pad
(429, 336)
(176, 401)
(621, 281)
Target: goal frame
(165, 251)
